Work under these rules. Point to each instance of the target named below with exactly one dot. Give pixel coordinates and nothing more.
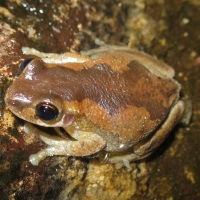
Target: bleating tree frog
(116, 101)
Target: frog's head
(32, 98)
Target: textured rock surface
(166, 29)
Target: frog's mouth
(52, 133)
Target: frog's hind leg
(143, 150)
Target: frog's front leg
(88, 143)
(54, 58)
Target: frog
(114, 103)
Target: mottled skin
(120, 101)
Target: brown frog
(116, 102)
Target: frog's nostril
(11, 102)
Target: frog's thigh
(148, 147)
(172, 119)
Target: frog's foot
(88, 143)
(120, 158)
(144, 150)
(187, 114)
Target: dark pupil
(25, 63)
(46, 111)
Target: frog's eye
(25, 63)
(46, 111)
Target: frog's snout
(12, 104)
